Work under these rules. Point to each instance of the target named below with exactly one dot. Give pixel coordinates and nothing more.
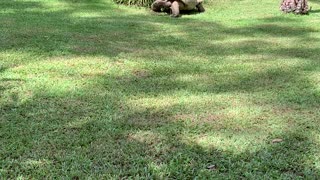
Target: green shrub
(144, 3)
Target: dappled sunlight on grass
(93, 89)
(315, 79)
(236, 144)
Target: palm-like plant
(295, 6)
(144, 3)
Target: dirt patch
(141, 73)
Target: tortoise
(177, 5)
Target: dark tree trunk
(295, 6)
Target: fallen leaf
(277, 140)
(212, 167)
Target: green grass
(91, 89)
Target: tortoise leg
(200, 8)
(159, 4)
(175, 9)
(167, 6)
(155, 6)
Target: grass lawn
(90, 89)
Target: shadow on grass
(315, 11)
(107, 135)
(54, 137)
(109, 36)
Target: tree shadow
(112, 135)
(314, 11)
(109, 36)
(190, 160)
(149, 142)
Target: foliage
(145, 3)
(295, 6)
